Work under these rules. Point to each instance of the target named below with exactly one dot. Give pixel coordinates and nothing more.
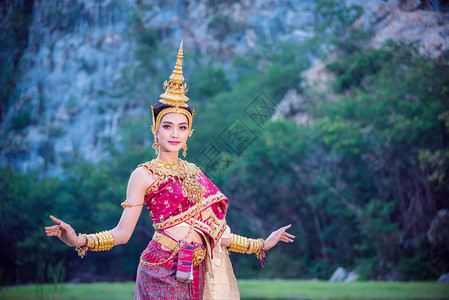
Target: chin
(173, 148)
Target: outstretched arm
(278, 235)
(138, 183)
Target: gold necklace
(160, 167)
(187, 172)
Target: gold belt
(198, 254)
(165, 240)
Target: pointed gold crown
(175, 89)
(174, 96)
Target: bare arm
(138, 183)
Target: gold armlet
(101, 241)
(126, 204)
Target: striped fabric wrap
(185, 263)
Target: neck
(170, 157)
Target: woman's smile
(174, 142)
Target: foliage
(88, 199)
(221, 26)
(364, 179)
(352, 69)
(271, 72)
(208, 81)
(147, 39)
(332, 20)
(334, 17)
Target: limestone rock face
(407, 21)
(67, 99)
(67, 74)
(399, 21)
(430, 29)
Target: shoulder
(142, 176)
(146, 166)
(152, 167)
(141, 171)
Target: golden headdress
(174, 96)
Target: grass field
(249, 289)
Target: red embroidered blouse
(172, 198)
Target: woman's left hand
(278, 235)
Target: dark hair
(158, 107)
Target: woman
(188, 255)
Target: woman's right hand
(65, 233)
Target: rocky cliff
(423, 22)
(63, 102)
(69, 79)
(66, 99)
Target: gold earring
(184, 152)
(156, 145)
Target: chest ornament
(187, 173)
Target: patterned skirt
(159, 282)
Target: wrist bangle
(242, 244)
(101, 241)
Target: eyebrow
(168, 122)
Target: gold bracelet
(111, 240)
(252, 246)
(242, 244)
(256, 246)
(101, 241)
(260, 252)
(239, 244)
(96, 243)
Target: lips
(174, 143)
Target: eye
(166, 126)
(183, 127)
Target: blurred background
(329, 115)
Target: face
(173, 132)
